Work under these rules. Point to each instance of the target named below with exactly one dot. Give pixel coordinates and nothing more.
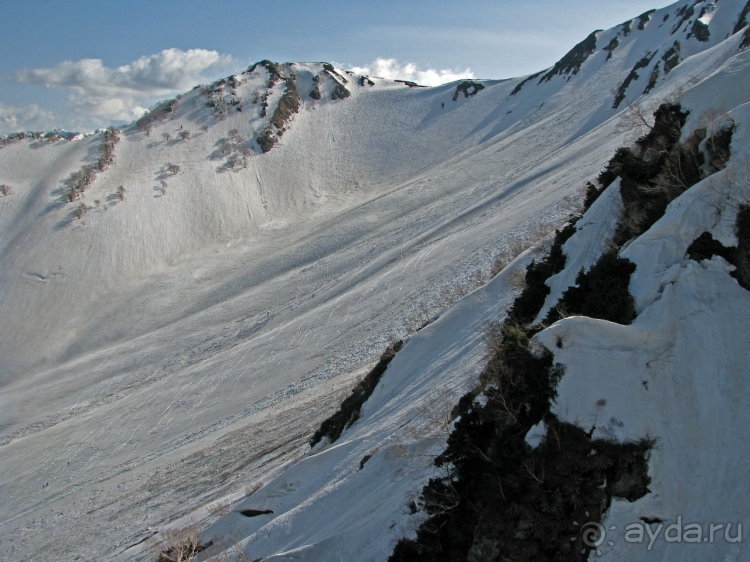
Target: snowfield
(165, 357)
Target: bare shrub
(515, 249)
(517, 279)
(121, 193)
(432, 420)
(184, 134)
(107, 148)
(500, 262)
(637, 119)
(717, 146)
(157, 112)
(737, 188)
(238, 159)
(220, 508)
(532, 235)
(451, 293)
(455, 291)
(172, 169)
(163, 187)
(181, 545)
(421, 315)
(234, 161)
(540, 230)
(5, 190)
(79, 211)
(166, 136)
(15, 137)
(418, 318)
(573, 204)
(78, 181)
(710, 115)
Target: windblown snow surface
(170, 353)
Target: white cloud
(119, 93)
(390, 68)
(30, 118)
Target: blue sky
(80, 64)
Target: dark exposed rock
(572, 61)
(652, 79)
(686, 12)
(468, 88)
(633, 75)
(315, 92)
(742, 256)
(288, 105)
(349, 411)
(700, 31)
(331, 71)
(705, 247)
(410, 84)
(644, 18)
(274, 72)
(524, 81)
(610, 48)
(742, 20)
(340, 93)
(364, 461)
(745, 39)
(671, 58)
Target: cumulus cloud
(391, 68)
(30, 118)
(119, 93)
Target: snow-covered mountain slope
(677, 373)
(669, 376)
(185, 335)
